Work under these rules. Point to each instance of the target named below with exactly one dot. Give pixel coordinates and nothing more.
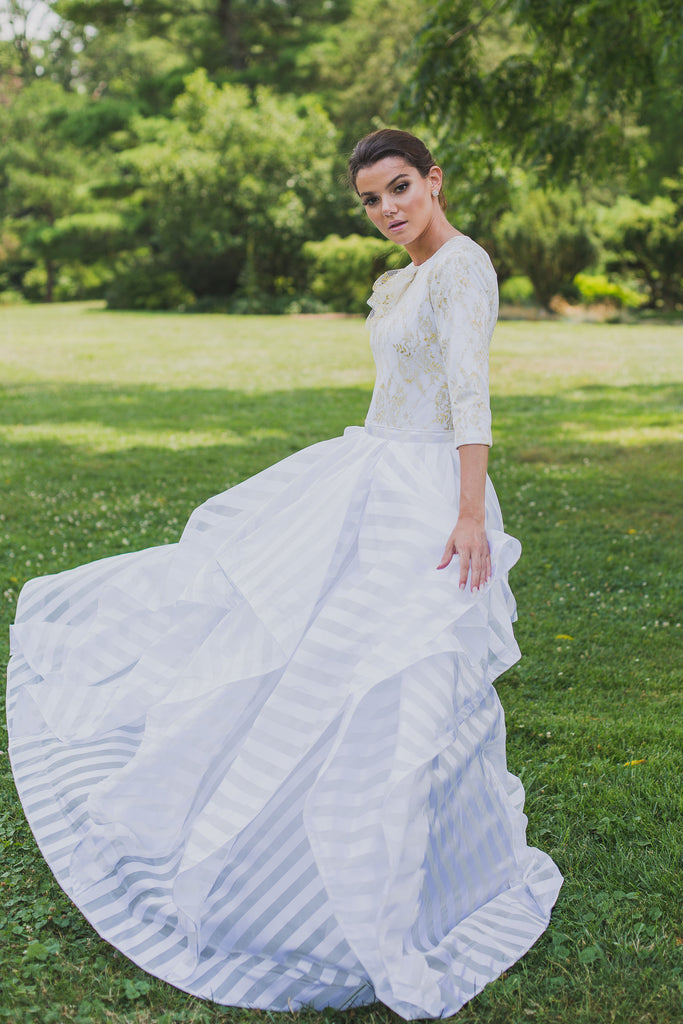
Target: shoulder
(461, 258)
(462, 286)
(461, 273)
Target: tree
(250, 41)
(49, 185)
(548, 238)
(41, 176)
(230, 186)
(360, 65)
(24, 21)
(343, 270)
(645, 241)
(571, 89)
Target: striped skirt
(268, 762)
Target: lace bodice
(430, 330)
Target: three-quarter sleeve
(463, 293)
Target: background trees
(526, 95)
(228, 188)
(167, 154)
(547, 237)
(572, 89)
(49, 200)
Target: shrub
(11, 297)
(72, 281)
(547, 237)
(598, 288)
(518, 291)
(142, 283)
(266, 304)
(645, 240)
(343, 270)
(231, 185)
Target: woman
(268, 762)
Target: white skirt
(268, 762)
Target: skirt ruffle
(268, 762)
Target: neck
(431, 240)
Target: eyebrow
(388, 185)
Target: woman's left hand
(468, 541)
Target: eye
(370, 201)
(402, 186)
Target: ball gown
(268, 762)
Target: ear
(435, 178)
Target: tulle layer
(268, 762)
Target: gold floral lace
(431, 327)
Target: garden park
(182, 279)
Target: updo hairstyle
(392, 142)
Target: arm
(464, 298)
(468, 539)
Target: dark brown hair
(392, 142)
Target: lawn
(114, 426)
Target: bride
(268, 762)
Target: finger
(447, 556)
(480, 569)
(487, 562)
(465, 560)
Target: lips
(397, 225)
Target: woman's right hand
(468, 540)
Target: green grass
(114, 426)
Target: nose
(388, 206)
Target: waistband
(410, 434)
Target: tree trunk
(229, 24)
(251, 282)
(50, 280)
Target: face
(398, 200)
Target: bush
(597, 288)
(343, 270)
(645, 240)
(264, 304)
(11, 297)
(548, 238)
(518, 291)
(72, 281)
(145, 284)
(231, 185)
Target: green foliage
(517, 290)
(221, 194)
(252, 42)
(571, 89)
(94, 122)
(69, 282)
(140, 282)
(11, 297)
(359, 65)
(12, 266)
(547, 237)
(645, 240)
(112, 142)
(598, 288)
(342, 270)
(231, 186)
(41, 170)
(77, 237)
(48, 202)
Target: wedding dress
(268, 762)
